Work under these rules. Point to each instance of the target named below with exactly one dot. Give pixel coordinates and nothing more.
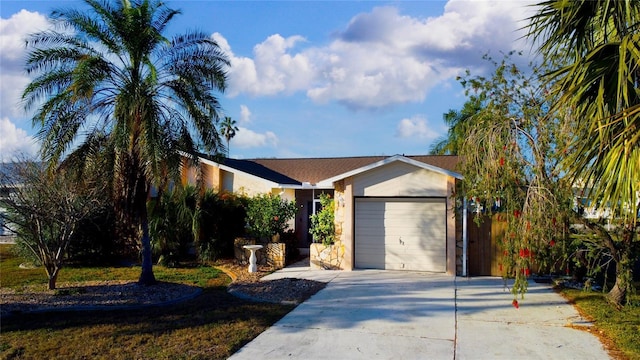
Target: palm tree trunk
(618, 294)
(140, 199)
(146, 275)
(623, 257)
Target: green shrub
(222, 219)
(323, 222)
(183, 223)
(94, 240)
(172, 224)
(268, 215)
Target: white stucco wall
(400, 179)
(244, 184)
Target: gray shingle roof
(257, 169)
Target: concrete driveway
(373, 314)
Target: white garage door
(400, 234)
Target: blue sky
(312, 78)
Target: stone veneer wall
(326, 257)
(273, 254)
(242, 255)
(339, 216)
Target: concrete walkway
(373, 314)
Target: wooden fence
(484, 252)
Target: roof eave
(273, 184)
(236, 171)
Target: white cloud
(273, 69)
(385, 58)
(246, 138)
(245, 115)
(15, 141)
(382, 58)
(362, 75)
(13, 33)
(415, 127)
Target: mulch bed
(283, 291)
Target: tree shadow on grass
(212, 306)
(213, 326)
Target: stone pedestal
(253, 266)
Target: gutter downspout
(464, 236)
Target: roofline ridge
(342, 157)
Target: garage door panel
(409, 257)
(418, 250)
(372, 244)
(406, 241)
(397, 262)
(399, 249)
(406, 233)
(411, 266)
(368, 224)
(401, 234)
(368, 233)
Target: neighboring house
(392, 212)
(6, 189)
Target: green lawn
(621, 328)
(212, 326)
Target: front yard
(211, 326)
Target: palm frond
(600, 43)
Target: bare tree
(45, 208)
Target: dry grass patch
(618, 328)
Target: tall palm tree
(599, 43)
(228, 129)
(111, 70)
